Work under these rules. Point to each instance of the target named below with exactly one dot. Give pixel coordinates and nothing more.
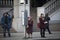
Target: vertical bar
(58, 2)
(2, 2)
(5, 2)
(26, 1)
(55, 4)
(10, 2)
(48, 8)
(52, 6)
(24, 13)
(45, 10)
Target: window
(21, 1)
(26, 1)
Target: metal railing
(52, 7)
(4, 3)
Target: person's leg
(31, 32)
(48, 30)
(4, 32)
(44, 32)
(28, 35)
(8, 32)
(41, 32)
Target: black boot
(4, 35)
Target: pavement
(36, 36)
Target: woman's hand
(27, 26)
(45, 22)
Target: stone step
(53, 27)
(12, 30)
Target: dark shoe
(50, 33)
(41, 36)
(44, 37)
(4, 35)
(9, 36)
(28, 37)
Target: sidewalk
(36, 36)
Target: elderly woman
(30, 27)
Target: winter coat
(9, 21)
(42, 25)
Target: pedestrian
(47, 18)
(42, 25)
(30, 27)
(6, 24)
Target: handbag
(38, 25)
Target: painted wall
(18, 10)
(55, 15)
(3, 10)
(39, 11)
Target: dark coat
(42, 25)
(9, 21)
(47, 19)
(30, 26)
(30, 23)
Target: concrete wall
(18, 10)
(39, 11)
(3, 10)
(55, 17)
